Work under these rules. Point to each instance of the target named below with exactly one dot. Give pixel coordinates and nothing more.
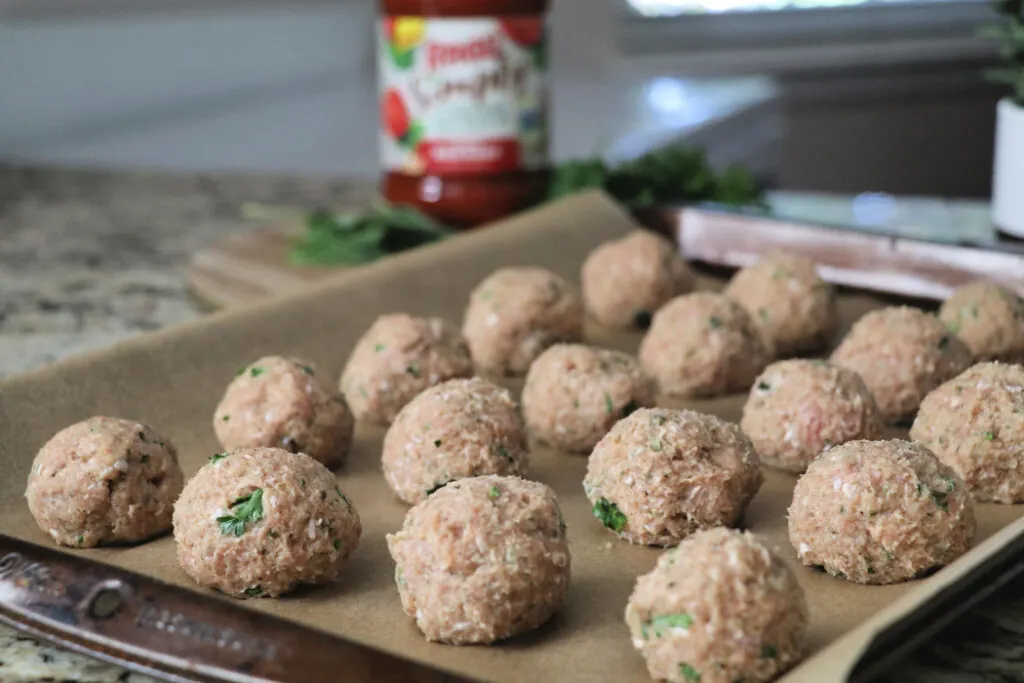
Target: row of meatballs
(483, 554)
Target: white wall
(251, 88)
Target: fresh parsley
(217, 457)
(688, 672)
(714, 323)
(253, 590)
(493, 492)
(657, 626)
(256, 371)
(245, 510)
(610, 515)
(608, 405)
(672, 174)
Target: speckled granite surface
(90, 258)
(87, 259)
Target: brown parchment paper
(173, 380)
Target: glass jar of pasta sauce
(464, 101)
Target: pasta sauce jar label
(462, 96)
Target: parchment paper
(173, 380)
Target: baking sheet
(173, 380)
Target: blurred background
(830, 95)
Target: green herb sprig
(610, 515)
(1009, 34)
(245, 510)
(672, 174)
(677, 173)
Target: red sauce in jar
(463, 105)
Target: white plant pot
(1008, 177)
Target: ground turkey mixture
(575, 393)
(104, 481)
(481, 560)
(259, 522)
(792, 306)
(975, 424)
(626, 280)
(660, 475)
(798, 408)
(703, 344)
(461, 428)
(397, 358)
(989, 318)
(720, 608)
(516, 313)
(280, 402)
(901, 353)
(879, 512)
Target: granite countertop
(90, 258)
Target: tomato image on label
(397, 122)
(404, 34)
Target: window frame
(785, 40)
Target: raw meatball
(574, 394)
(792, 306)
(516, 313)
(901, 353)
(703, 344)
(258, 522)
(660, 475)
(880, 512)
(719, 608)
(481, 560)
(279, 402)
(104, 481)
(797, 408)
(989, 318)
(462, 428)
(397, 358)
(975, 424)
(626, 280)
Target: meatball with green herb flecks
(625, 281)
(398, 357)
(703, 344)
(798, 408)
(880, 512)
(104, 481)
(482, 560)
(791, 305)
(259, 522)
(574, 394)
(719, 608)
(901, 353)
(660, 475)
(280, 402)
(975, 424)
(461, 428)
(989, 318)
(514, 314)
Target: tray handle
(175, 634)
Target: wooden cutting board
(253, 266)
(249, 267)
